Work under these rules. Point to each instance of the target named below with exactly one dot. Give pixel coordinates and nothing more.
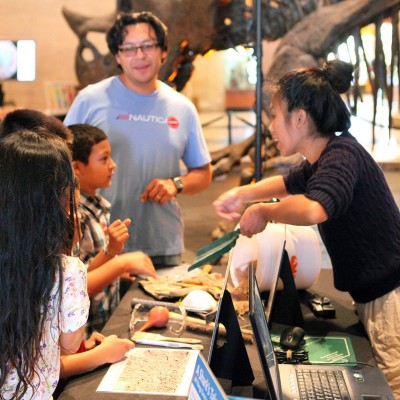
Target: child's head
(38, 219)
(33, 120)
(37, 187)
(91, 155)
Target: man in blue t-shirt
(156, 136)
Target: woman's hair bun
(339, 74)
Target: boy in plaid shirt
(101, 242)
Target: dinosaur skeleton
(195, 27)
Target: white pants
(381, 319)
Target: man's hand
(159, 191)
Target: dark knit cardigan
(362, 233)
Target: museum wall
(43, 22)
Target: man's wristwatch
(178, 184)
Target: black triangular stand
(230, 360)
(287, 309)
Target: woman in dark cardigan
(339, 187)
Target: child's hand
(128, 277)
(113, 349)
(117, 235)
(138, 263)
(94, 340)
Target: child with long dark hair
(43, 292)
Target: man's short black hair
(116, 34)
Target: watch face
(178, 184)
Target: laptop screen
(214, 336)
(275, 278)
(228, 359)
(263, 339)
(268, 311)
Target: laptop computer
(286, 381)
(214, 336)
(271, 297)
(274, 286)
(228, 358)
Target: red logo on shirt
(293, 265)
(173, 122)
(123, 116)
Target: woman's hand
(227, 205)
(254, 219)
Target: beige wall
(43, 22)
(56, 44)
(207, 86)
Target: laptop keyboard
(321, 385)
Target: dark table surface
(346, 323)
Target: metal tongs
(215, 249)
(155, 339)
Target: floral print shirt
(71, 314)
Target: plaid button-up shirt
(95, 217)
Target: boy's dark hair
(33, 120)
(115, 36)
(85, 137)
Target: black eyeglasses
(129, 51)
